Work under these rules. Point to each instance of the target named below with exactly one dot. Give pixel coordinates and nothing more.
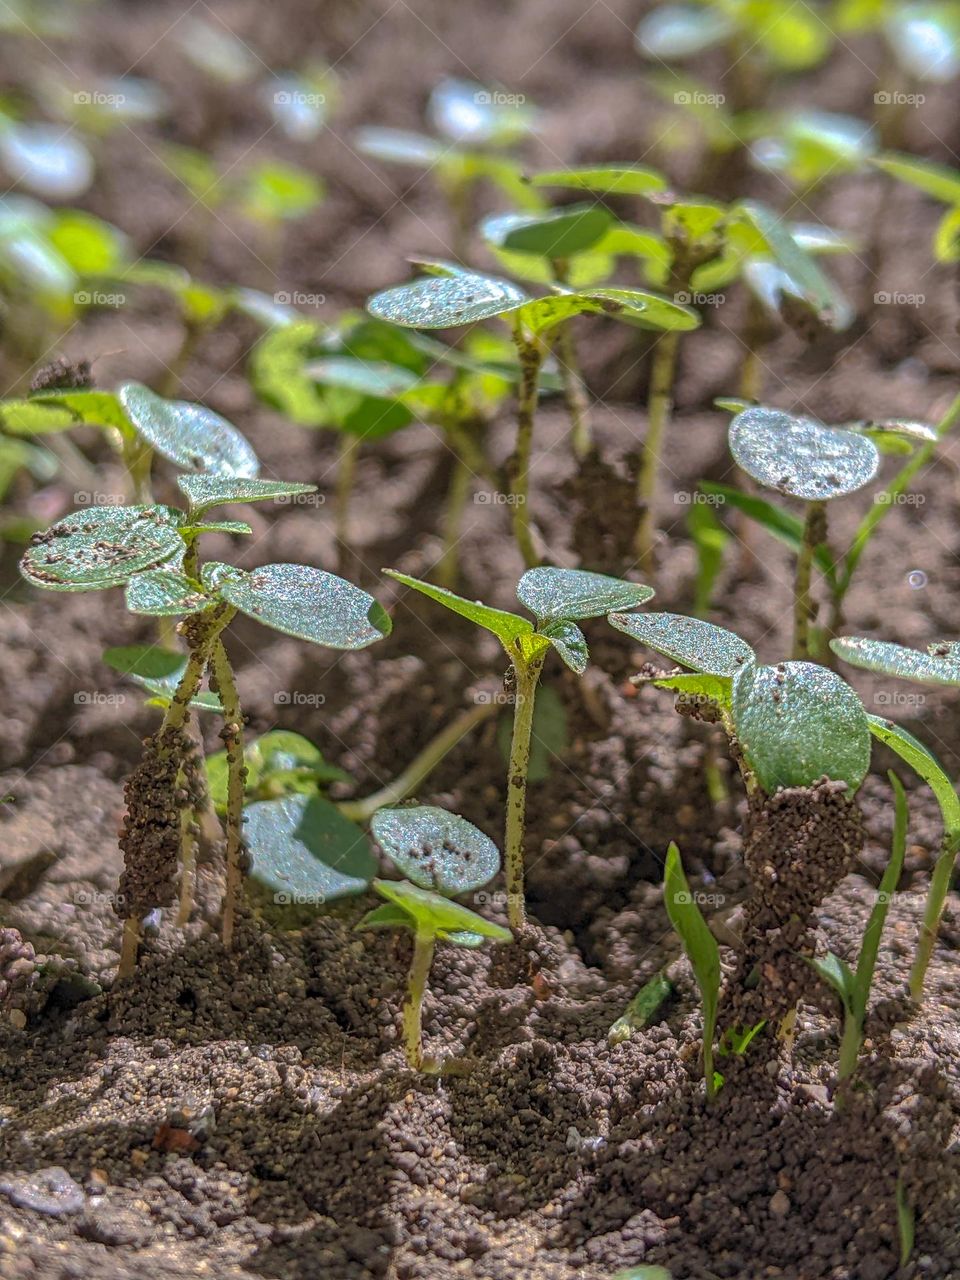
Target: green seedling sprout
(804, 459)
(853, 986)
(559, 599)
(441, 855)
(556, 240)
(477, 130)
(152, 552)
(936, 180)
(940, 666)
(811, 147)
(702, 951)
(452, 298)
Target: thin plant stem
(138, 459)
(849, 1045)
(659, 411)
(527, 675)
(188, 864)
(346, 474)
(814, 532)
(129, 945)
(418, 770)
(531, 358)
(448, 566)
(574, 391)
(936, 900)
(236, 777)
(423, 946)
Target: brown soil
(251, 1115)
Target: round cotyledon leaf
(575, 594)
(897, 660)
(696, 644)
(798, 722)
(435, 849)
(801, 457)
(310, 604)
(446, 301)
(305, 850)
(188, 435)
(103, 547)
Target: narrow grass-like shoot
(702, 950)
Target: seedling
(793, 725)
(853, 986)
(702, 951)
(441, 855)
(478, 128)
(939, 666)
(802, 458)
(452, 297)
(559, 599)
(151, 551)
(810, 147)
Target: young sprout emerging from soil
(151, 551)
(853, 985)
(559, 599)
(477, 129)
(441, 855)
(804, 459)
(451, 297)
(702, 951)
(939, 666)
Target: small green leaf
(575, 594)
(571, 644)
(837, 974)
(157, 670)
(633, 306)
(443, 302)
(897, 660)
(205, 491)
(606, 180)
(103, 547)
(509, 628)
(435, 849)
(60, 411)
(946, 239)
(189, 435)
(691, 641)
(434, 914)
(375, 378)
(701, 948)
(829, 305)
(798, 722)
(233, 527)
(400, 146)
(937, 180)
(927, 767)
(303, 849)
(388, 916)
(698, 687)
(554, 234)
(310, 604)
(801, 457)
(164, 593)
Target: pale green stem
(138, 458)
(346, 472)
(423, 945)
(527, 675)
(531, 358)
(936, 899)
(448, 566)
(814, 532)
(659, 411)
(419, 769)
(849, 1044)
(236, 775)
